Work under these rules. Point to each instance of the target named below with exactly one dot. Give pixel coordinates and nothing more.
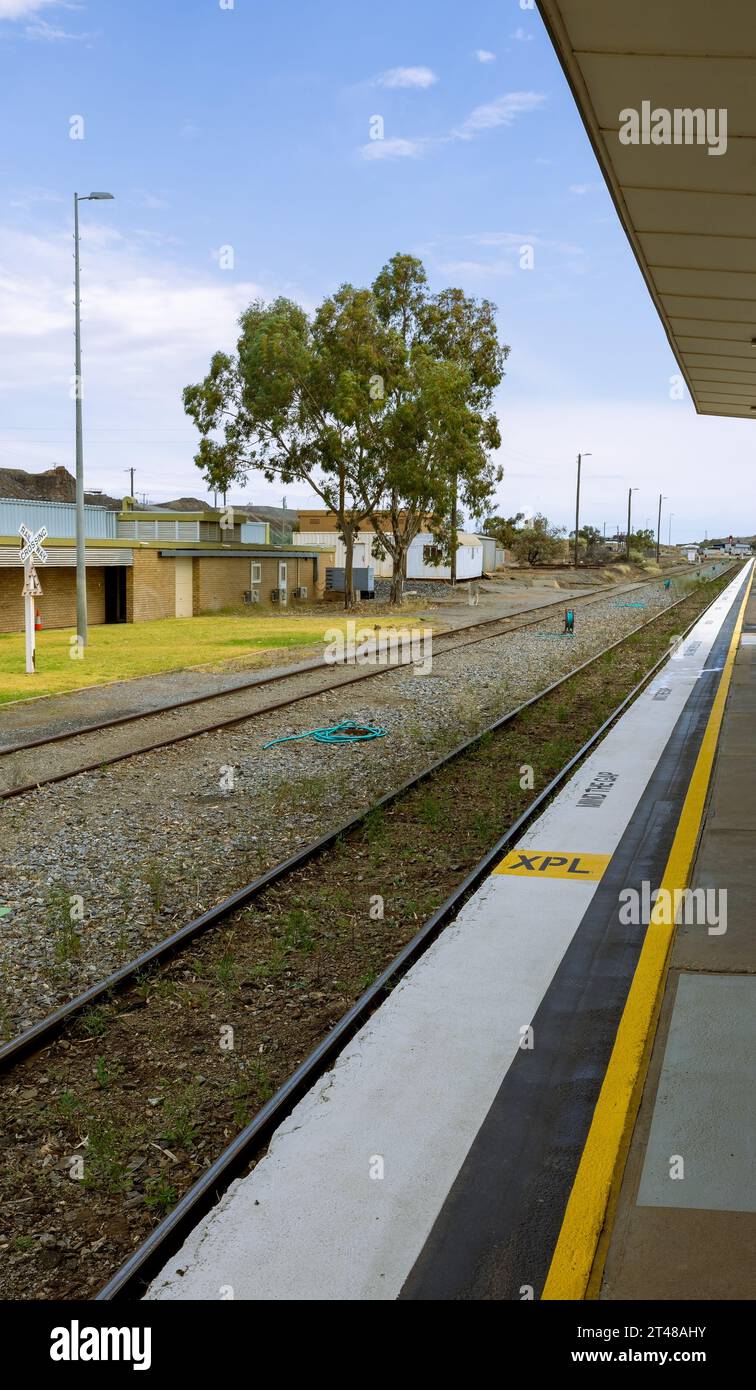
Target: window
(431, 554)
(256, 572)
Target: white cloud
(407, 77)
(149, 327)
(392, 149)
(49, 33)
(23, 9)
(476, 268)
(26, 198)
(522, 36)
(484, 56)
(149, 200)
(502, 111)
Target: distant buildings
(174, 560)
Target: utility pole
(629, 508)
(81, 555)
(577, 504)
(130, 471)
(658, 529)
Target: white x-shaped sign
(33, 545)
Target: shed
(424, 557)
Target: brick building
(146, 563)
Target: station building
(146, 563)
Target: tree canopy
(382, 400)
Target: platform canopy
(690, 215)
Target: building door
(115, 593)
(184, 605)
(283, 582)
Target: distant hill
(54, 485)
(184, 504)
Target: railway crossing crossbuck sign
(32, 550)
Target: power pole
(130, 471)
(629, 506)
(658, 530)
(577, 510)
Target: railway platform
(480, 1138)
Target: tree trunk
(397, 578)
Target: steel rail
(141, 1266)
(259, 681)
(42, 1033)
(22, 788)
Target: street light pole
(577, 504)
(81, 560)
(81, 557)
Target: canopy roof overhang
(690, 215)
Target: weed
(95, 1021)
(225, 972)
(105, 1161)
(179, 1114)
(66, 940)
(68, 1105)
(155, 881)
(160, 1195)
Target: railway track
(152, 1253)
(89, 747)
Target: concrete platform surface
(685, 1226)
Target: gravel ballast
(137, 849)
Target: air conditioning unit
(301, 592)
(251, 595)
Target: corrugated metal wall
(58, 517)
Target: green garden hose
(345, 732)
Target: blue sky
(250, 128)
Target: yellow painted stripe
(554, 863)
(606, 1145)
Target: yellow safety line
(600, 1166)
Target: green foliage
(538, 543)
(504, 529)
(382, 400)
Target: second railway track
(89, 747)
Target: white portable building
(424, 557)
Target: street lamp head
(95, 196)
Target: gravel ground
(158, 838)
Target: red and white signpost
(31, 551)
